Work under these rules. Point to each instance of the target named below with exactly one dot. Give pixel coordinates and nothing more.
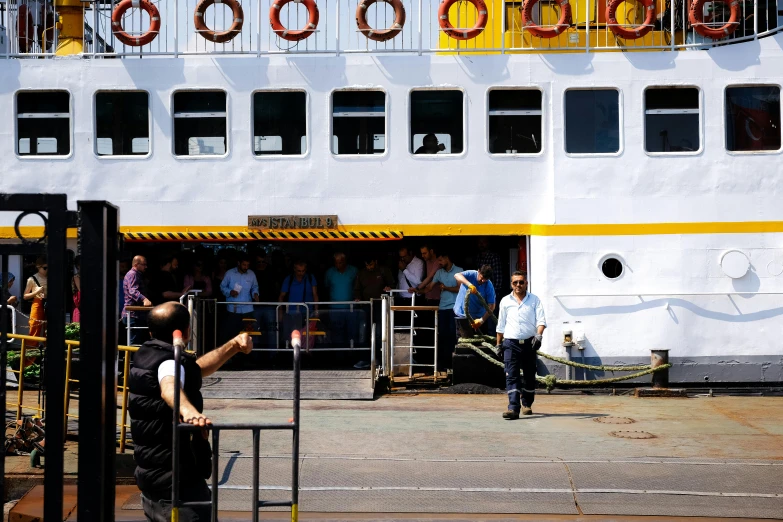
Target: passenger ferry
(625, 153)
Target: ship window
(514, 121)
(436, 122)
(122, 125)
(611, 267)
(200, 123)
(752, 118)
(592, 121)
(358, 122)
(671, 119)
(43, 123)
(280, 123)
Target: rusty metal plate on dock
(614, 420)
(632, 434)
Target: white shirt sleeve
(501, 327)
(540, 318)
(166, 369)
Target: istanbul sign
(291, 222)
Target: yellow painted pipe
(71, 25)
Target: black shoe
(511, 415)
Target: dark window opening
(436, 122)
(43, 123)
(752, 118)
(671, 121)
(359, 122)
(612, 268)
(514, 121)
(592, 121)
(122, 123)
(280, 123)
(200, 123)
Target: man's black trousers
(519, 356)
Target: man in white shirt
(410, 275)
(520, 327)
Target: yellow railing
(122, 386)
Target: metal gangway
(255, 428)
(392, 343)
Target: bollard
(657, 358)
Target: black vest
(152, 422)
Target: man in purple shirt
(135, 295)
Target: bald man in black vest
(152, 389)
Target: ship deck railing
(337, 32)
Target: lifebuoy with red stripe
(546, 32)
(218, 36)
(25, 28)
(295, 35)
(383, 34)
(696, 18)
(143, 39)
(634, 32)
(462, 34)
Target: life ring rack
(462, 34)
(634, 32)
(530, 26)
(218, 36)
(696, 19)
(381, 35)
(146, 37)
(297, 34)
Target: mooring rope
(549, 381)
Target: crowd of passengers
(336, 287)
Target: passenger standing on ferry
(239, 286)
(135, 291)
(477, 282)
(520, 329)
(339, 280)
(430, 145)
(299, 287)
(164, 285)
(152, 388)
(431, 295)
(371, 282)
(445, 280)
(35, 291)
(268, 292)
(198, 280)
(410, 275)
(487, 257)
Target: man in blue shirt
(520, 327)
(445, 280)
(339, 280)
(239, 286)
(300, 287)
(477, 282)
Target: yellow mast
(71, 26)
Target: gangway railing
(255, 428)
(412, 329)
(128, 327)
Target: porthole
(612, 267)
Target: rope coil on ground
(549, 381)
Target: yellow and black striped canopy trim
(286, 235)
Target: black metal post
(4, 326)
(97, 356)
(215, 468)
(54, 358)
(295, 441)
(256, 455)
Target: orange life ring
(696, 18)
(383, 34)
(46, 28)
(296, 35)
(462, 34)
(630, 33)
(135, 41)
(215, 36)
(25, 28)
(548, 32)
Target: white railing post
(337, 31)
(176, 29)
(756, 19)
(421, 25)
(503, 28)
(258, 27)
(587, 24)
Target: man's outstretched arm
(212, 361)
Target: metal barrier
(256, 429)
(337, 326)
(39, 409)
(31, 31)
(412, 329)
(129, 328)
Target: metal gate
(99, 239)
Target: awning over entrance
(288, 235)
